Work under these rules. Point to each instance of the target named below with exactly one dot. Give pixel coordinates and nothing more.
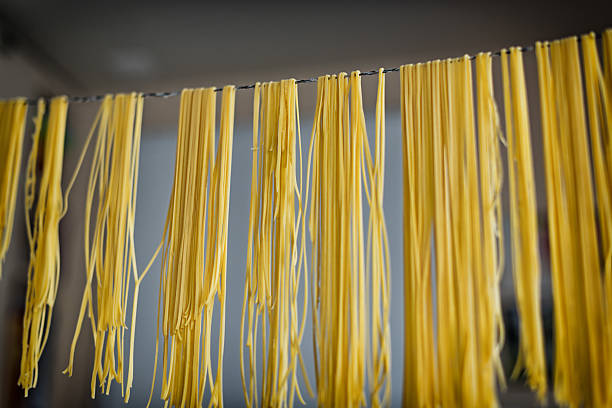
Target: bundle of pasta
(336, 230)
(582, 326)
(273, 273)
(110, 256)
(524, 223)
(339, 158)
(12, 128)
(194, 257)
(44, 267)
(489, 320)
(607, 56)
(598, 86)
(417, 103)
(468, 260)
(441, 178)
(378, 264)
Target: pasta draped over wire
(194, 257)
(578, 192)
(12, 129)
(341, 164)
(43, 236)
(524, 222)
(442, 197)
(110, 254)
(453, 236)
(274, 263)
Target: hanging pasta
(194, 257)
(468, 271)
(489, 315)
(12, 128)
(582, 336)
(378, 264)
(274, 264)
(442, 196)
(417, 101)
(110, 255)
(524, 223)
(607, 56)
(599, 97)
(336, 230)
(340, 161)
(43, 236)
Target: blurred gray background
(84, 48)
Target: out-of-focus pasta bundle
(579, 215)
(194, 256)
(43, 235)
(110, 255)
(12, 129)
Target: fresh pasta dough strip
(524, 223)
(44, 266)
(252, 279)
(462, 241)
(418, 97)
(598, 89)
(379, 367)
(581, 372)
(194, 256)
(273, 270)
(110, 251)
(12, 129)
(455, 196)
(490, 320)
(340, 166)
(475, 263)
(607, 56)
(43, 235)
(336, 229)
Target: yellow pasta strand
(110, 255)
(490, 321)
(379, 369)
(599, 93)
(12, 128)
(524, 222)
(341, 163)
(44, 267)
(194, 257)
(464, 276)
(443, 190)
(274, 266)
(336, 230)
(607, 57)
(417, 101)
(581, 372)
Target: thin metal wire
(95, 98)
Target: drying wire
(170, 94)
